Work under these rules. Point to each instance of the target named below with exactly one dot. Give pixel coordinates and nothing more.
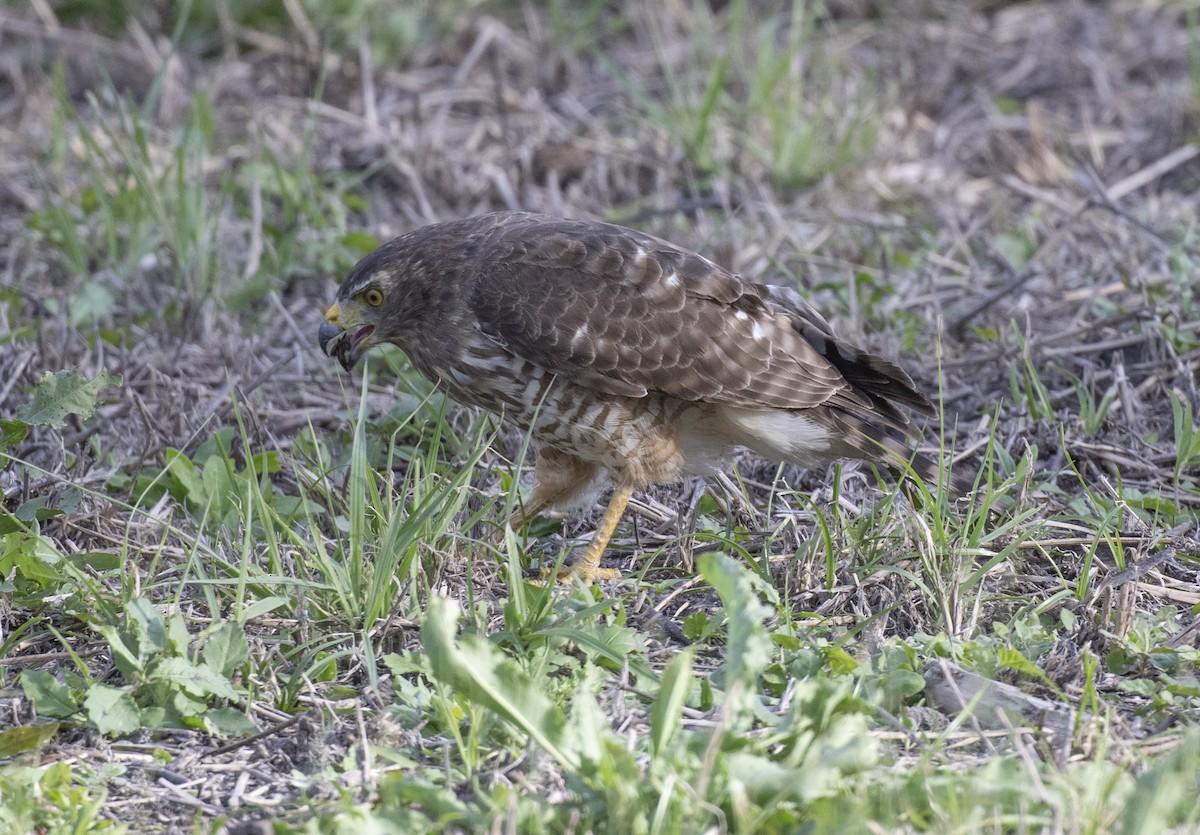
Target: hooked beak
(343, 345)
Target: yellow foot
(581, 566)
(586, 570)
(586, 566)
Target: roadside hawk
(627, 358)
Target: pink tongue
(363, 331)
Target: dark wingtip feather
(883, 383)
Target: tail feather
(876, 442)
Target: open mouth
(342, 345)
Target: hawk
(625, 357)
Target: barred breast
(650, 439)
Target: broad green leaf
(840, 662)
(323, 668)
(225, 648)
(666, 714)
(159, 717)
(178, 637)
(219, 489)
(900, 685)
(112, 710)
(96, 560)
(824, 736)
(403, 664)
(696, 625)
(125, 656)
(1144, 688)
(478, 671)
(50, 697)
(266, 462)
(36, 509)
(34, 557)
(12, 432)
(761, 777)
(146, 625)
(184, 473)
(589, 729)
(182, 709)
(64, 393)
(25, 738)
(197, 679)
(747, 647)
(226, 721)
(408, 790)
(613, 643)
(1014, 659)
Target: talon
(585, 569)
(575, 567)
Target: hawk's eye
(373, 297)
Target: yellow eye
(373, 297)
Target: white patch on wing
(781, 435)
(581, 333)
(757, 331)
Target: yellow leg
(558, 478)
(586, 566)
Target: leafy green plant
(790, 760)
(56, 397)
(35, 567)
(53, 798)
(217, 484)
(171, 677)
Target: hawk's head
(382, 298)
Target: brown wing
(627, 313)
(883, 382)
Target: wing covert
(628, 314)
